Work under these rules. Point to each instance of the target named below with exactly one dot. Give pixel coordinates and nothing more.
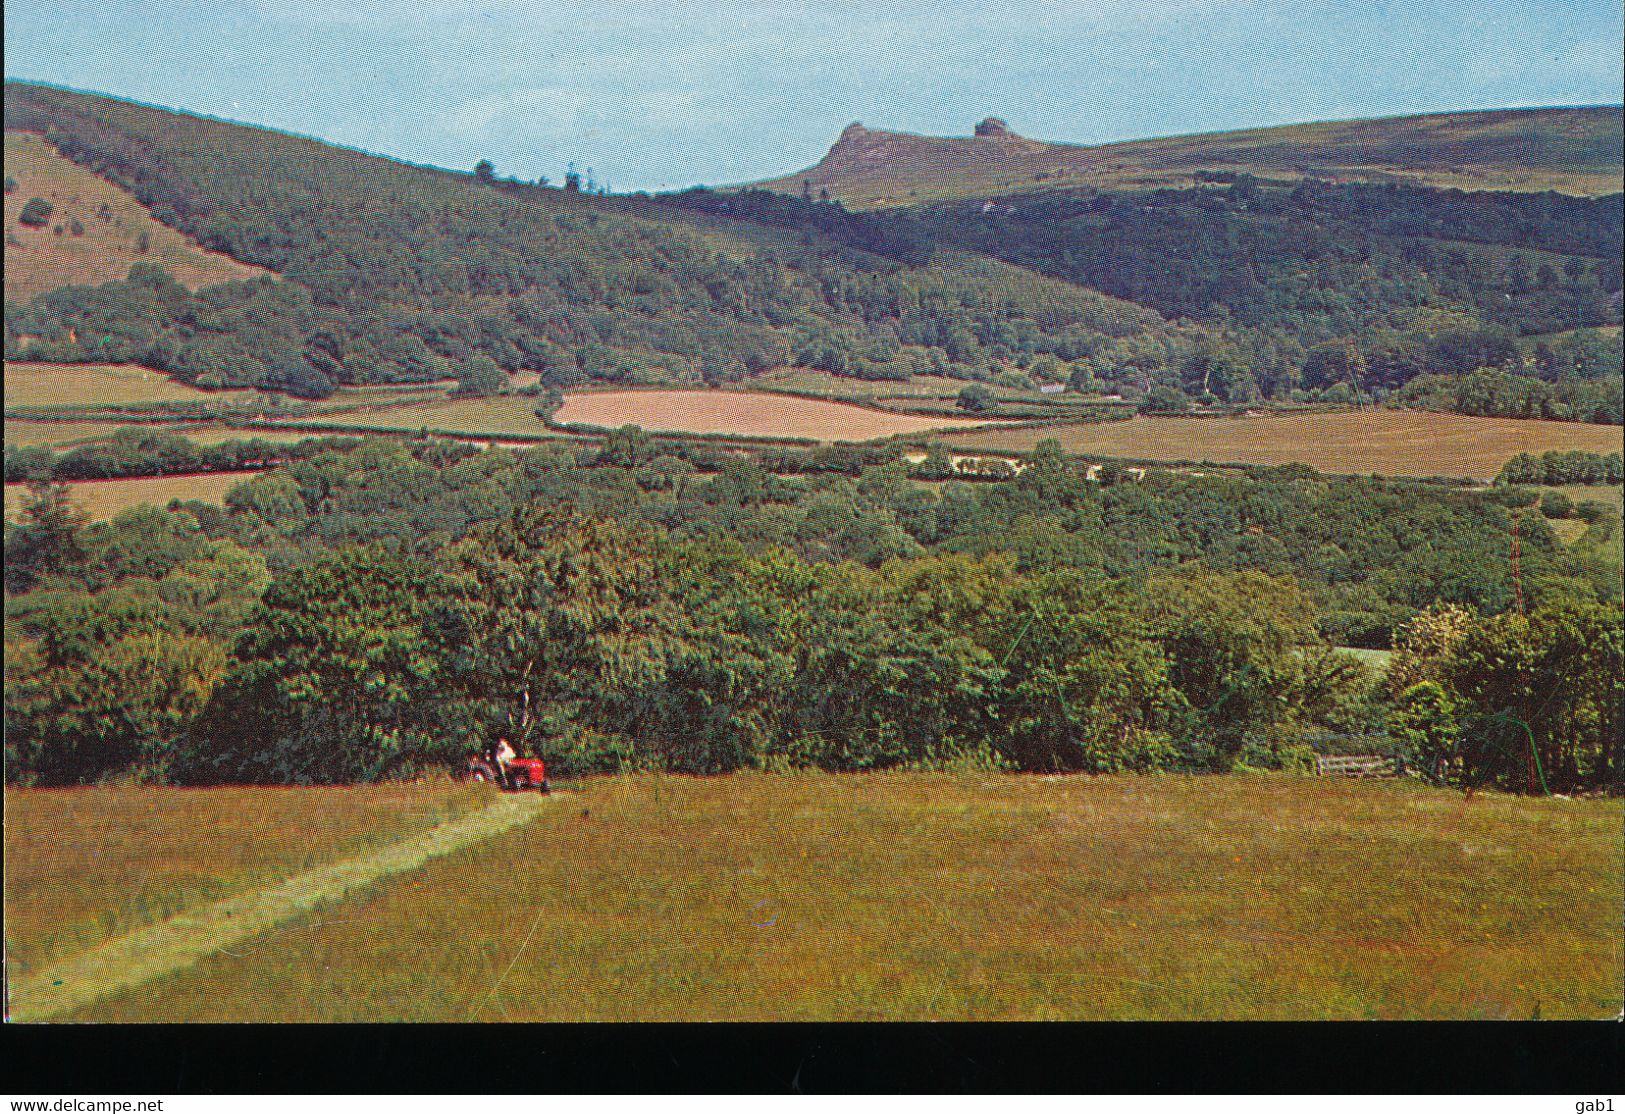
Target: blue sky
(662, 94)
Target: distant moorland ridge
(1571, 150)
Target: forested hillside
(394, 273)
(1227, 290)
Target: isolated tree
(484, 171)
(627, 447)
(480, 376)
(1164, 399)
(47, 541)
(977, 399)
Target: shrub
(977, 399)
(36, 213)
(1164, 399)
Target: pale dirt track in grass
(139, 957)
(1388, 442)
(743, 413)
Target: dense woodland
(1233, 291)
(375, 609)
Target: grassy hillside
(101, 500)
(95, 231)
(1572, 150)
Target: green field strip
(139, 957)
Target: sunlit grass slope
(114, 230)
(914, 896)
(101, 500)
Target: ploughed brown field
(744, 413)
(1390, 442)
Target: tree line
(375, 609)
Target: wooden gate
(1354, 765)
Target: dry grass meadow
(943, 896)
(85, 865)
(35, 385)
(102, 499)
(58, 435)
(498, 415)
(745, 413)
(41, 260)
(811, 380)
(1609, 495)
(1390, 442)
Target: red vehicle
(523, 773)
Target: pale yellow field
(498, 415)
(921, 386)
(102, 499)
(1390, 442)
(57, 435)
(29, 384)
(1609, 495)
(217, 434)
(742, 412)
(107, 248)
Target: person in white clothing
(504, 754)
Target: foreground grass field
(1389, 442)
(87, 864)
(743, 412)
(922, 896)
(102, 499)
(113, 226)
